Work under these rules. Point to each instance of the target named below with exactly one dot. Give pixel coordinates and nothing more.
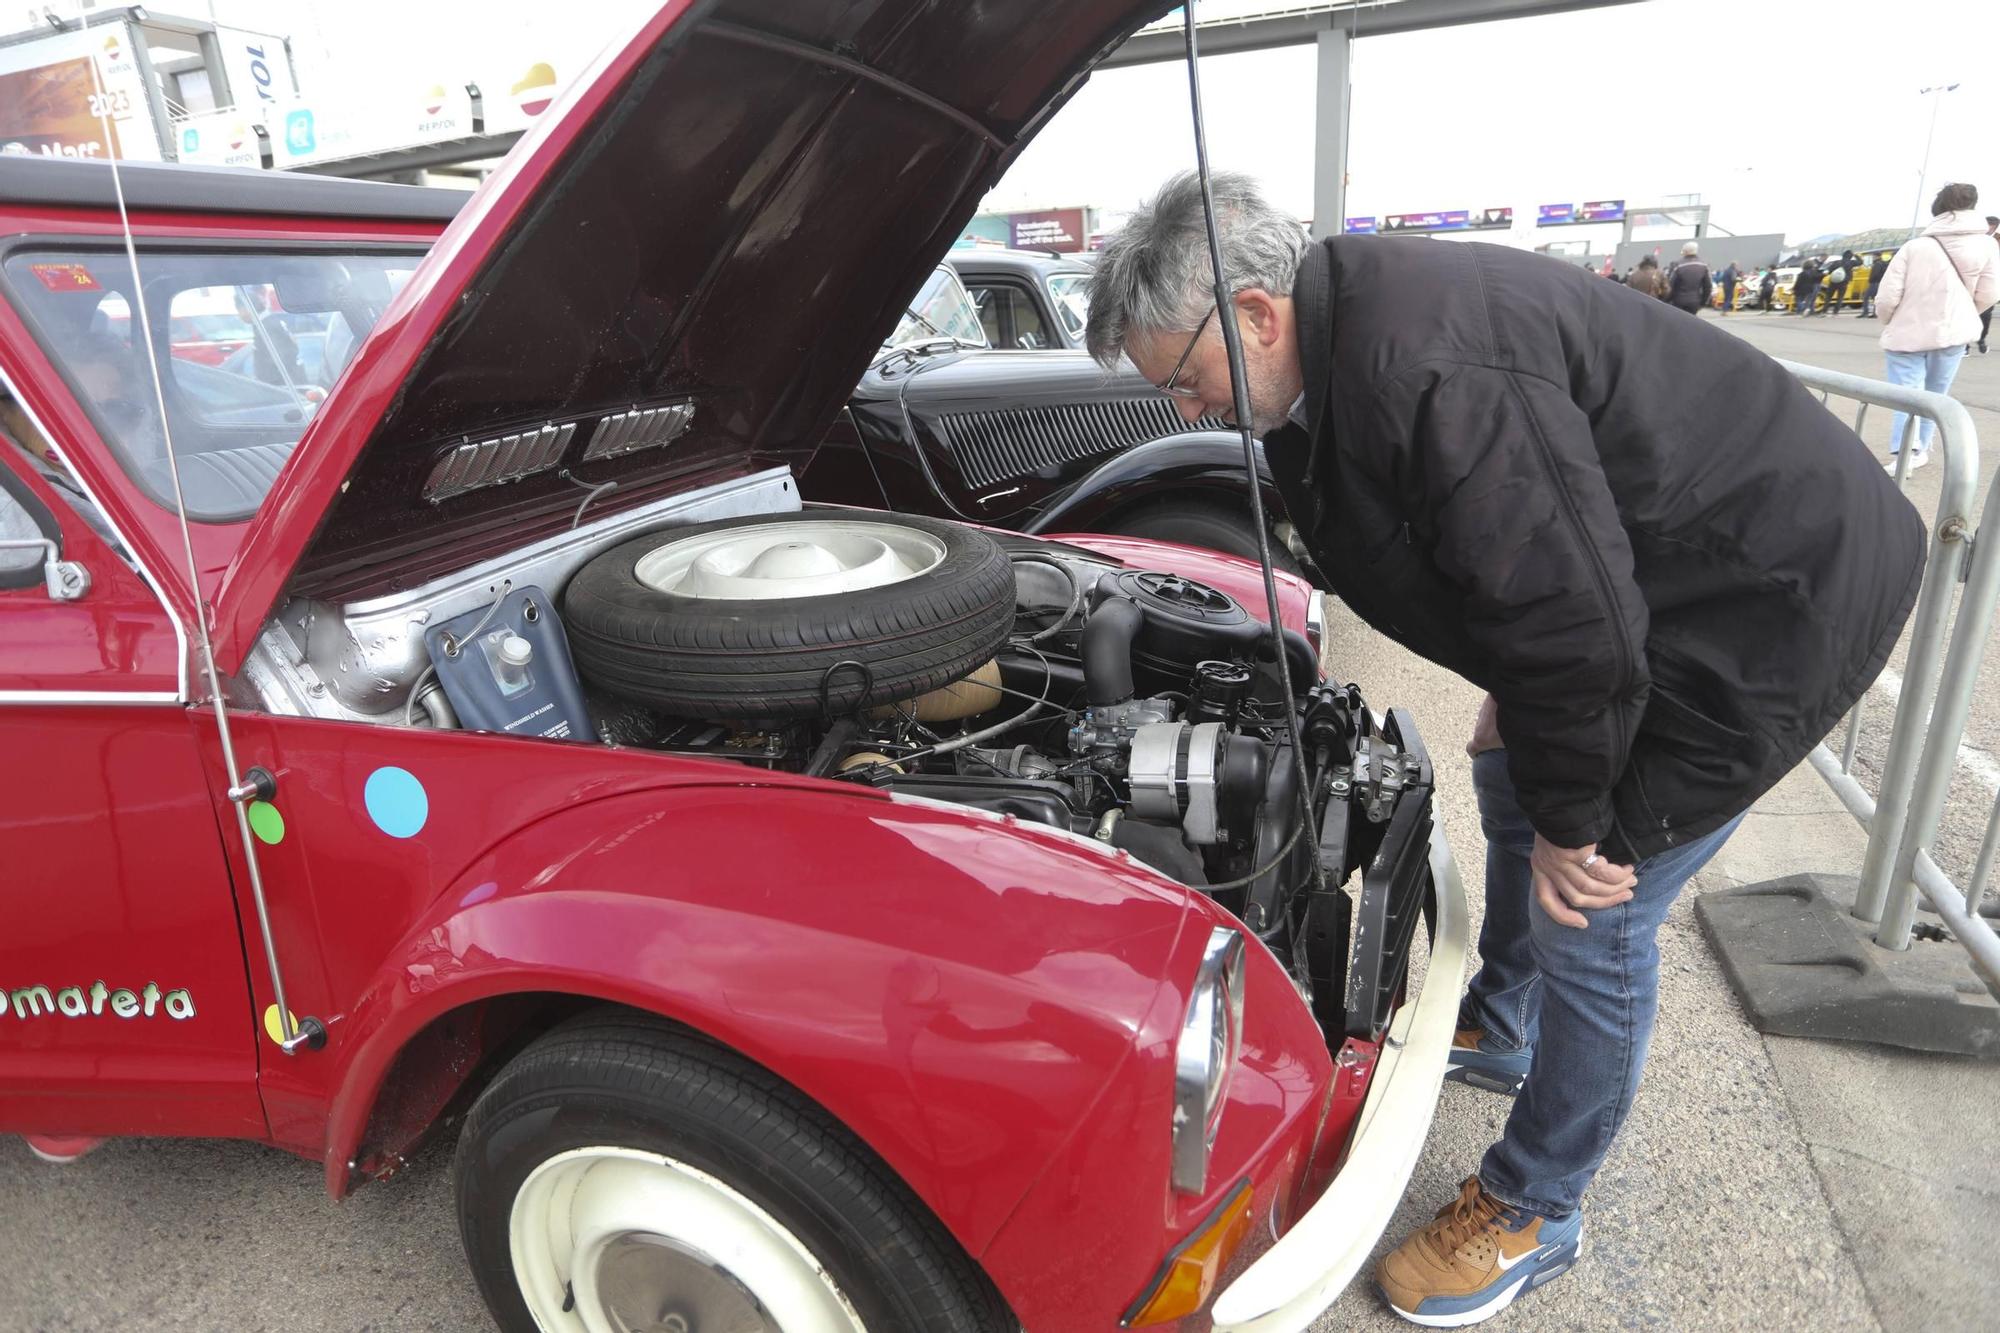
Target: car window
(20, 566)
(989, 312)
(1030, 331)
(247, 343)
(1071, 294)
(940, 309)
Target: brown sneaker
(1474, 1259)
(1477, 1059)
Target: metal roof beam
(1230, 36)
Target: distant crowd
(1936, 294)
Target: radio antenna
(1232, 341)
(310, 1032)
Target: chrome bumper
(1294, 1281)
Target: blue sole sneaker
(1475, 1259)
(1474, 1059)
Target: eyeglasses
(1171, 386)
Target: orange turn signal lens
(1187, 1279)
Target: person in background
(1729, 277)
(1850, 264)
(1875, 272)
(1834, 283)
(1767, 287)
(1648, 279)
(1930, 303)
(1689, 286)
(1805, 288)
(1986, 315)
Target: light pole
(1924, 174)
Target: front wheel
(624, 1175)
(1197, 523)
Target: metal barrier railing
(1936, 697)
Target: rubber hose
(1107, 650)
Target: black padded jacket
(1670, 564)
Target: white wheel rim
(770, 561)
(615, 1240)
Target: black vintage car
(1039, 440)
(1028, 299)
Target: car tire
(732, 621)
(1195, 523)
(604, 1165)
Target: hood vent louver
(640, 428)
(504, 458)
(477, 464)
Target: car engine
(1138, 708)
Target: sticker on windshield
(66, 277)
(95, 1001)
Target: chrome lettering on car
(95, 1001)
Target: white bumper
(1297, 1278)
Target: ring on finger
(1591, 860)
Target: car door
(124, 1000)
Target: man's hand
(1563, 883)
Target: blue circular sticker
(396, 802)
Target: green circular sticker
(267, 823)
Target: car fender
(1174, 466)
(957, 990)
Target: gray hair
(1154, 275)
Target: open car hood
(675, 278)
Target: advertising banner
(1554, 214)
(1360, 226)
(306, 130)
(1489, 219)
(220, 139)
(1450, 220)
(1604, 210)
(1058, 229)
(257, 67)
(50, 104)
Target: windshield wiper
(923, 347)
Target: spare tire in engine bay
(779, 617)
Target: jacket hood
(675, 278)
(1957, 224)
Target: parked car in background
(1039, 441)
(1030, 300)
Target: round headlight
(1211, 1036)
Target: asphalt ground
(1760, 1182)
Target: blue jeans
(1585, 999)
(1921, 370)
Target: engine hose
(1239, 383)
(1107, 650)
(1277, 859)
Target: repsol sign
(96, 1000)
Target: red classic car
(451, 720)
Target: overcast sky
(1800, 117)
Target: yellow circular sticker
(273, 1028)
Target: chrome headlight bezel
(1205, 1055)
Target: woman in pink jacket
(1930, 302)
